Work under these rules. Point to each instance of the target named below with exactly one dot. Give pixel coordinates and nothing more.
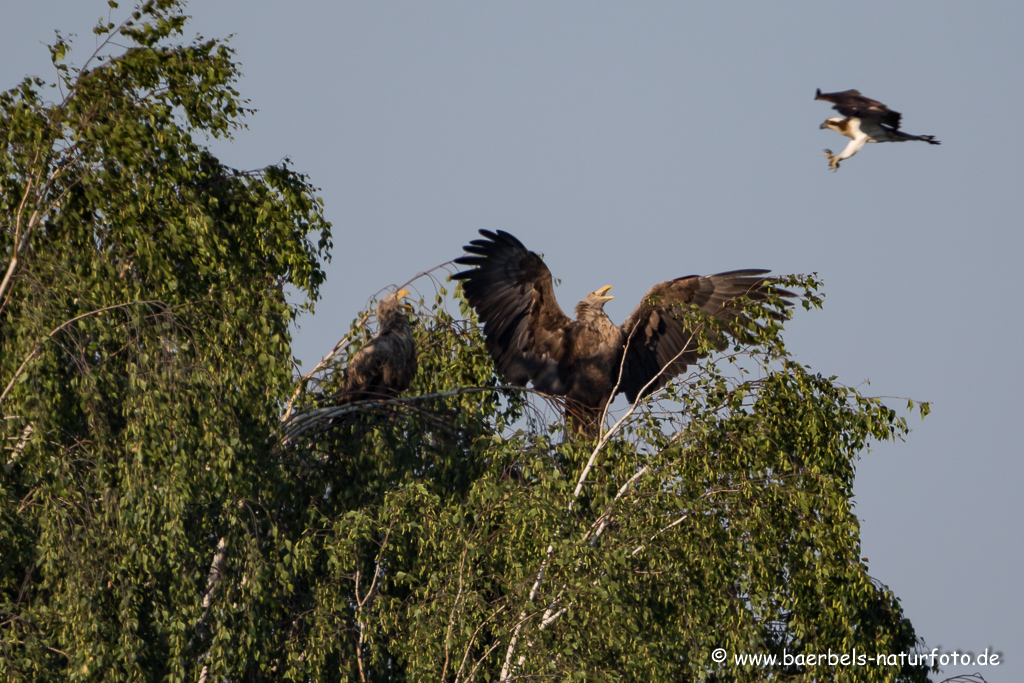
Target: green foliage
(145, 353)
(159, 518)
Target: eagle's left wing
(662, 334)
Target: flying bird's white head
(835, 123)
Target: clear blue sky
(632, 143)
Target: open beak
(401, 294)
(603, 292)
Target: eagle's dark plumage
(386, 365)
(532, 340)
(867, 120)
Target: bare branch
(212, 579)
(34, 220)
(603, 440)
(304, 422)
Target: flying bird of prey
(867, 120)
(385, 366)
(531, 339)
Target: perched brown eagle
(386, 365)
(531, 339)
(867, 120)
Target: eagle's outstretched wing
(661, 332)
(513, 294)
(851, 103)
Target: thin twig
(303, 422)
(472, 672)
(362, 603)
(469, 645)
(451, 616)
(39, 345)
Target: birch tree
(144, 354)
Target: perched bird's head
(600, 297)
(391, 311)
(594, 302)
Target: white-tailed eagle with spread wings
(590, 359)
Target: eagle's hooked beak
(603, 291)
(824, 125)
(401, 294)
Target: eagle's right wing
(513, 294)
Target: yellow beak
(603, 291)
(401, 294)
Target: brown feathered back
(386, 365)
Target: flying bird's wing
(513, 294)
(851, 103)
(662, 334)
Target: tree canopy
(177, 505)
